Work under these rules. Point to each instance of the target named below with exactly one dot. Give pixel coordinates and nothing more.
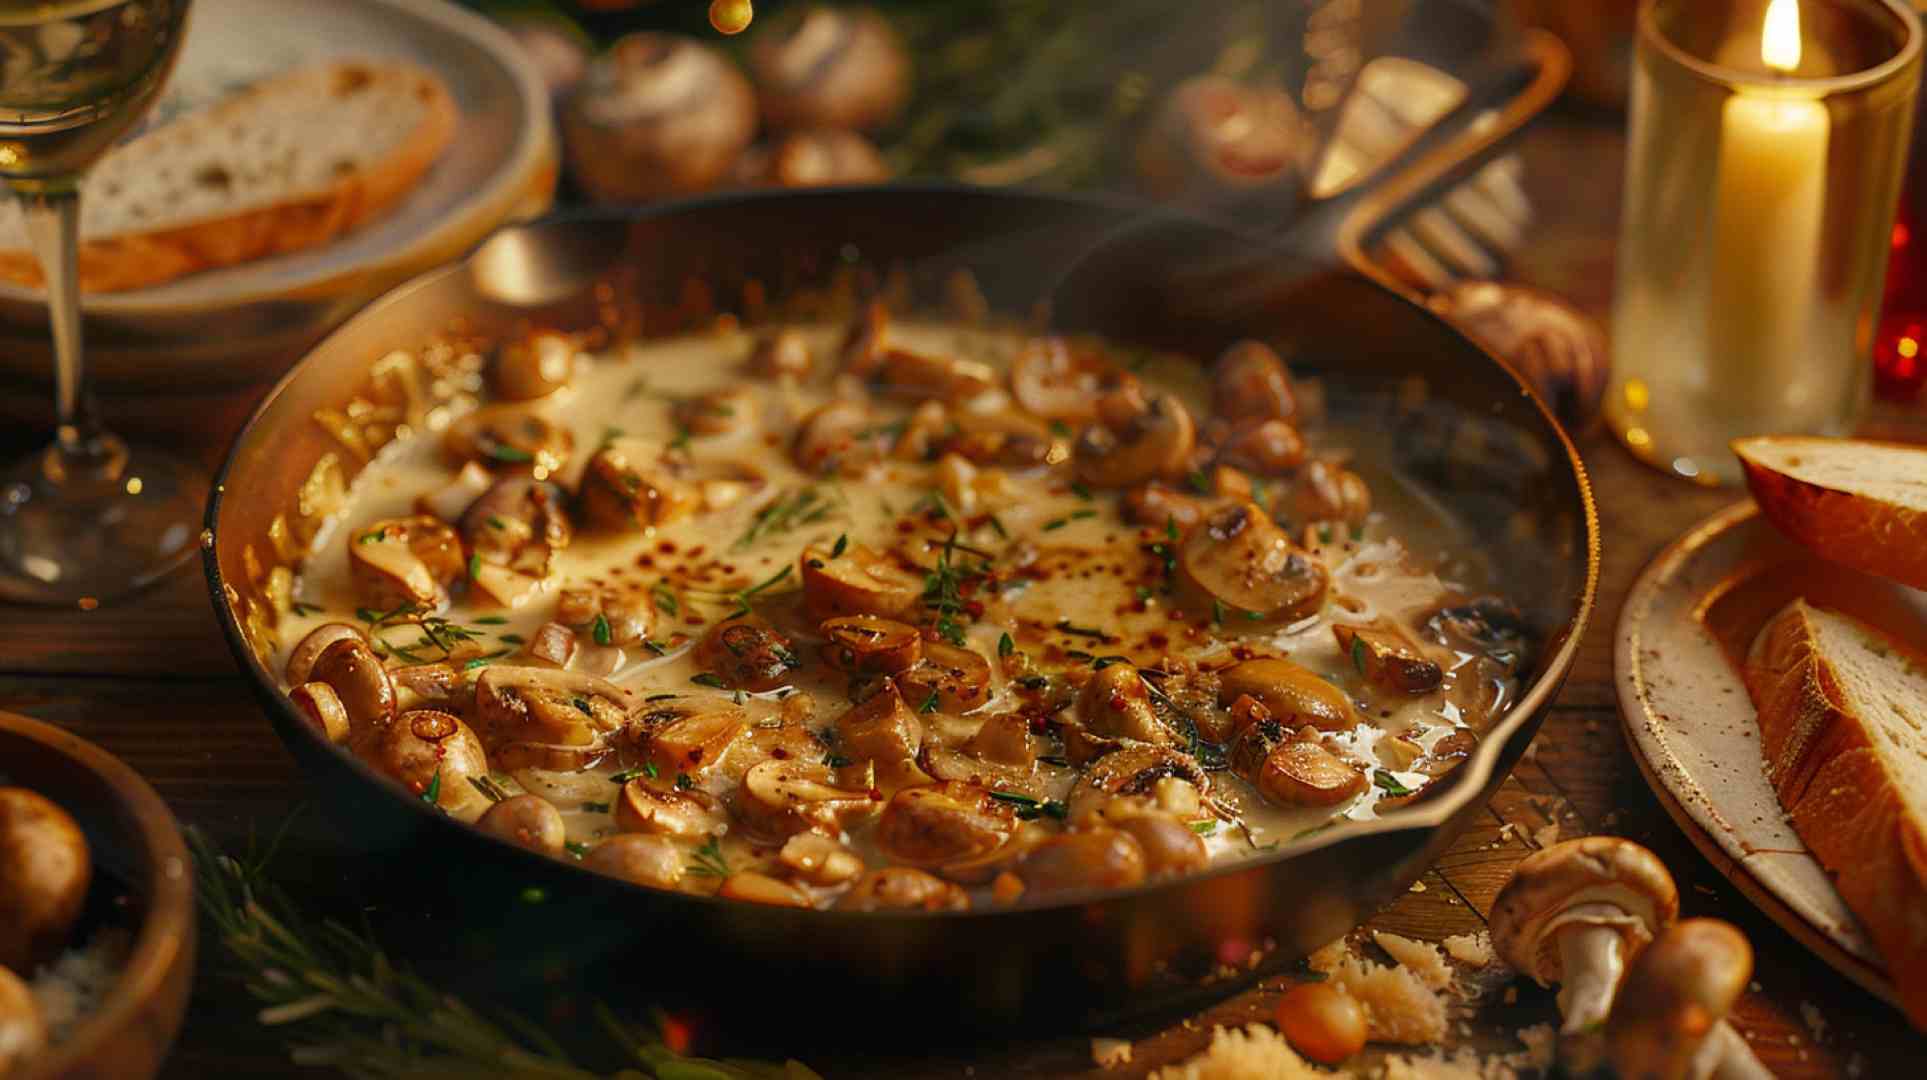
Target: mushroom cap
(1591, 870)
(1675, 994)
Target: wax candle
(1768, 208)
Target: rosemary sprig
(790, 510)
(708, 860)
(343, 1003)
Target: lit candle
(1768, 206)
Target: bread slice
(287, 164)
(1858, 503)
(1843, 725)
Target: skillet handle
(1474, 133)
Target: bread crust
(140, 259)
(1839, 797)
(1857, 531)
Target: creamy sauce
(1090, 585)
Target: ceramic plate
(248, 322)
(1686, 626)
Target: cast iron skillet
(1453, 418)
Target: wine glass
(87, 519)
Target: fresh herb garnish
(1005, 646)
(1029, 809)
(1358, 653)
(433, 793)
(997, 525)
(511, 454)
(1065, 626)
(582, 707)
(787, 511)
(474, 567)
(490, 790)
(708, 860)
(836, 761)
(665, 598)
(576, 848)
(599, 630)
(1077, 515)
(1204, 827)
(1390, 783)
(1199, 482)
(1082, 492)
(512, 639)
(929, 704)
(705, 678)
(842, 544)
(1217, 612)
(492, 620)
(595, 807)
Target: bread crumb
(1327, 958)
(1473, 950)
(1546, 836)
(1418, 886)
(1398, 1007)
(1422, 959)
(1110, 1053)
(1253, 1053)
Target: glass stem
(53, 225)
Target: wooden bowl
(138, 852)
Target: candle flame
(1780, 42)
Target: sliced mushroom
(1385, 658)
(409, 560)
(1058, 381)
(1099, 858)
(1486, 626)
(534, 366)
(1330, 492)
(1117, 703)
(695, 740)
(685, 815)
(639, 858)
(529, 821)
(840, 437)
(519, 522)
(755, 888)
(432, 755)
(1291, 692)
(1134, 770)
(321, 707)
(747, 653)
(1160, 506)
(788, 741)
(1004, 740)
(781, 354)
(782, 798)
(917, 376)
(509, 437)
(858, 582)
(1187, 700)
(958, 680)
(449, 501)
(903, 888)
(23, 1030)
(861, 351)
(552, 645)
(1241, 559)
(607, 617)
(362, 685)
(869, 645)
(626, 488)
(1251, 382)
(302, 657)
(1142, 439)
(1170, 846)
(1291, 771)
(546, 706)
(883, 729)
(943, 823)
(819, 860)
(732, 411)
(1265, 447)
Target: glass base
(84, 529)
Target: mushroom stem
(1593, 957)
(1726, 1056)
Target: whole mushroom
(1576, 913)
(45, 868)
(1214, 139)
(814, 159)
(830, 68)
(23, 1031)
(1670, 1023)
(656, 115)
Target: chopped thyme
(929, 704)
(1058, 523)
(1005, 646)
(303, 609)
(1199, 482)
(582, 707)
(1065, 626)
(513, 639)
(491, 620)
(708, 860)
(433, 793)
(1390, 783)
(595, 807)
(997, 525)
(842, 544)
(1029, 809)
(1358, 653)
(474, 567)
(1078, 489)
(1203, 827)
(576, 848)
(665, 598)
(513, 455)
(704, 678)
(599, 630)
(787, 511)
(490, 790)
(1217, 612)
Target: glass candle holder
(1766, 152)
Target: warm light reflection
(1780, 43)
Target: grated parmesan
(1398, 1007)
(1255, 1053)
(72, 987)
(1421, 958)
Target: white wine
(74, 76)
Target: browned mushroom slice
(1385, 658)
(519, 522)
(777, 742)
(363, 686)
(1242, 560)
(1004, 740)
(903, 888)
(1187, 700)
(543, 705)
(1059, 381)
(922, 377)
(1117, 703)
(531, 367)
(781, 354)
(869, 645)
(943, 823)
(1006, 439)
(1293, 694)
(552, 645)
(1291, 771)
(321, 707)
(1133, 770)
(605, 616)
(947, 678)
(840, 437)
(819, 860)
(752, 887)
(695, 741)
(431, 754)
(662, 811)
(858, 582)
(509, 437)
(1250, 382)
(441, 685)
(1486, 626)
(1142, 439)
(1160, 506)
(1266, 447)
(409, 560)
(883, 729)
(747, 653)
(302, 657)
(626, 488)
(1099, 858)
(781, 798)
(1329, 492)
(730, 411)
(861, 350)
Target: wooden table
(152, 682)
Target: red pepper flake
(667, 547)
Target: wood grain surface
(151, 682)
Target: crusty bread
(1858, 503)
(287, 164)
(1843, 725)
